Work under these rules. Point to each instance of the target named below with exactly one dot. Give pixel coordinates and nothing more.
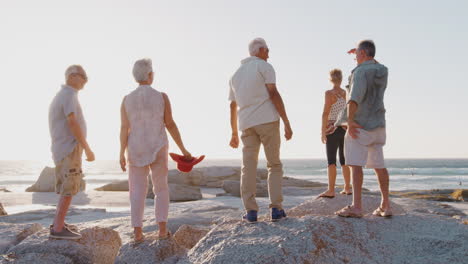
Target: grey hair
(75, 68)
(141, 69)
(255, 45)
(368, 47)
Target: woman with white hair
(145, 115)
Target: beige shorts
(68, 173)
(367, 149)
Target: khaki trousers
(267, 135)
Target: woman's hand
(187, 155)
(324, 139)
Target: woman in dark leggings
(333, 137)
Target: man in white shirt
(68, 137)
(259, 106)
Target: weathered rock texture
(98, 245)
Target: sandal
(168, 235)
(323, 195)
(381, 212)
(347, 212)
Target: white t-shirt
(247, 88)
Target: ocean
(405, 174)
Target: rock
(46, 182)
(431, 195)
(328, 207)
(151, 250)
(325, 239)
(13, 234)
(2, 210)
(188, 236)
(177, 192)
(2, 189)
(43, 258)
(233, 188)
(292, 182)
(180, 193)
(460, 195)
(115, 186)
(98, 245)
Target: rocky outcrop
(115, 186)
(328, 207)
(2, 210)
(46, 182)
(151, 250)
(233, 188)
(324, 239)
(188, 236)
(42, 258)
(460, 195)
(440, 195)
(180, 193)
(13, 234)
(98, 245)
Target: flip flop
(347, 212)
(326, 196)
(347, 193)
(382, 213)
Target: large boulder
(2, 210)
(233, 188)
(180, 193)
(98, 245)
(293, 182)
(188, 236)
(13, 234)
(460, 195)
(325, 239)
(46, 182)
(115, 186)
(328, 207)
(151, 250)
(42, 258)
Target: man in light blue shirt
(366, 135)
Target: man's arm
(357, 94)
(279, 105)
(172, 127)
(78, 134)
(234, 143)
(124, 129)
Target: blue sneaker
(277, 214)
(250, 217)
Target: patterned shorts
(68, 173)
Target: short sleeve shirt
(64, 103)
(248, 89)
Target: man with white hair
(68, 133)
(259, 106)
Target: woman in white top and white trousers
(145, 115)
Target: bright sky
(197, 45)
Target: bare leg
(162, 229)
(331, 181)
(62, 209)
(357, 175)
(383, 177)
(138, 232)
(347, 178)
